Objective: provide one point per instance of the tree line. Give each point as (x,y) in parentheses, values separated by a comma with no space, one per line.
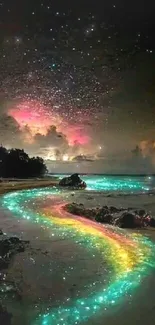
(16,163)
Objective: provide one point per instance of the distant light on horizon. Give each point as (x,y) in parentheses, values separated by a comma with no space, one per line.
(65,158)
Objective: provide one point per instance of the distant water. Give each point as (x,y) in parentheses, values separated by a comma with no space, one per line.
(129,184)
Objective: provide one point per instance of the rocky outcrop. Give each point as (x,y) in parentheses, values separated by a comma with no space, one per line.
(9,247)
(73,181)
(124,218)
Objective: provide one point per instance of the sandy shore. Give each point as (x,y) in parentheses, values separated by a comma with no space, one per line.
(15,185)
(137,201)
(41,274)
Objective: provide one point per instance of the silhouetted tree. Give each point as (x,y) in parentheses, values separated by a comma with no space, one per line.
(3,155)
(37,166)
(17,163)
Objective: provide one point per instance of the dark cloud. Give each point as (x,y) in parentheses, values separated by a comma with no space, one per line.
(10,133)
(51,139)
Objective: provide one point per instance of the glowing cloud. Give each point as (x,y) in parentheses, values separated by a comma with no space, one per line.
(39,118)
(35,115)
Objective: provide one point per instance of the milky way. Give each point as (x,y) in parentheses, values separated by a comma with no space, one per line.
(83,70)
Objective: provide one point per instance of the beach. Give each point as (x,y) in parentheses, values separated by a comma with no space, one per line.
(53,268)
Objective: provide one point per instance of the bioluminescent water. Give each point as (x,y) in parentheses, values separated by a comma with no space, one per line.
(130,184)
(126,258)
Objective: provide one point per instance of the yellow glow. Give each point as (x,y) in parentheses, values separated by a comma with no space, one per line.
(65,158)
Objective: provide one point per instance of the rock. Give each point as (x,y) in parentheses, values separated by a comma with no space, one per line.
(127,220)
(14,240)
(107,218)
(114,210)
(141,213)
(75,209)
(118,216)
(8,247)
(73,181)
(152,222)
(1,232)
(105,207)
(103,211)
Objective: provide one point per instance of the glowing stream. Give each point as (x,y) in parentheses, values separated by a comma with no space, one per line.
(130,257)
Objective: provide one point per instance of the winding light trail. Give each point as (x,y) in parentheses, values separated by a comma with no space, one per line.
(129,257)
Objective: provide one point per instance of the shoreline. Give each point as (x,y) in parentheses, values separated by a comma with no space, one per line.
(19,185)
(90,198)
(41,268)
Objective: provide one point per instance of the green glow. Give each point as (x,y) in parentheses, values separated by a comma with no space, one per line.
(117,183)
(129,258)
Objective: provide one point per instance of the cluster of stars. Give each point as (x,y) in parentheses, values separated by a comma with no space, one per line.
(74,59)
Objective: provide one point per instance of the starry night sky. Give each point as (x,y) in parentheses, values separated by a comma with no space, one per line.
(85,67)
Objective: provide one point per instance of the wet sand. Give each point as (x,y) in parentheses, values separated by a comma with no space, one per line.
(42,274)
(11,185)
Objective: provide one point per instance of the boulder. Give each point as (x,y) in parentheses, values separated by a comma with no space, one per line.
(126,220)
(73,181)
(117,216)
(141,213)
(9,247)
(152,222)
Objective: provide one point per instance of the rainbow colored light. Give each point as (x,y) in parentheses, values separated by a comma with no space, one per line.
(129,257)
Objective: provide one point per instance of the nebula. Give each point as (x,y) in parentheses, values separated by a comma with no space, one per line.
(39,118)
(35,115)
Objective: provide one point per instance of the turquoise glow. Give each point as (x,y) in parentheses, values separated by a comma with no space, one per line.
(129,257)
(118,183)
